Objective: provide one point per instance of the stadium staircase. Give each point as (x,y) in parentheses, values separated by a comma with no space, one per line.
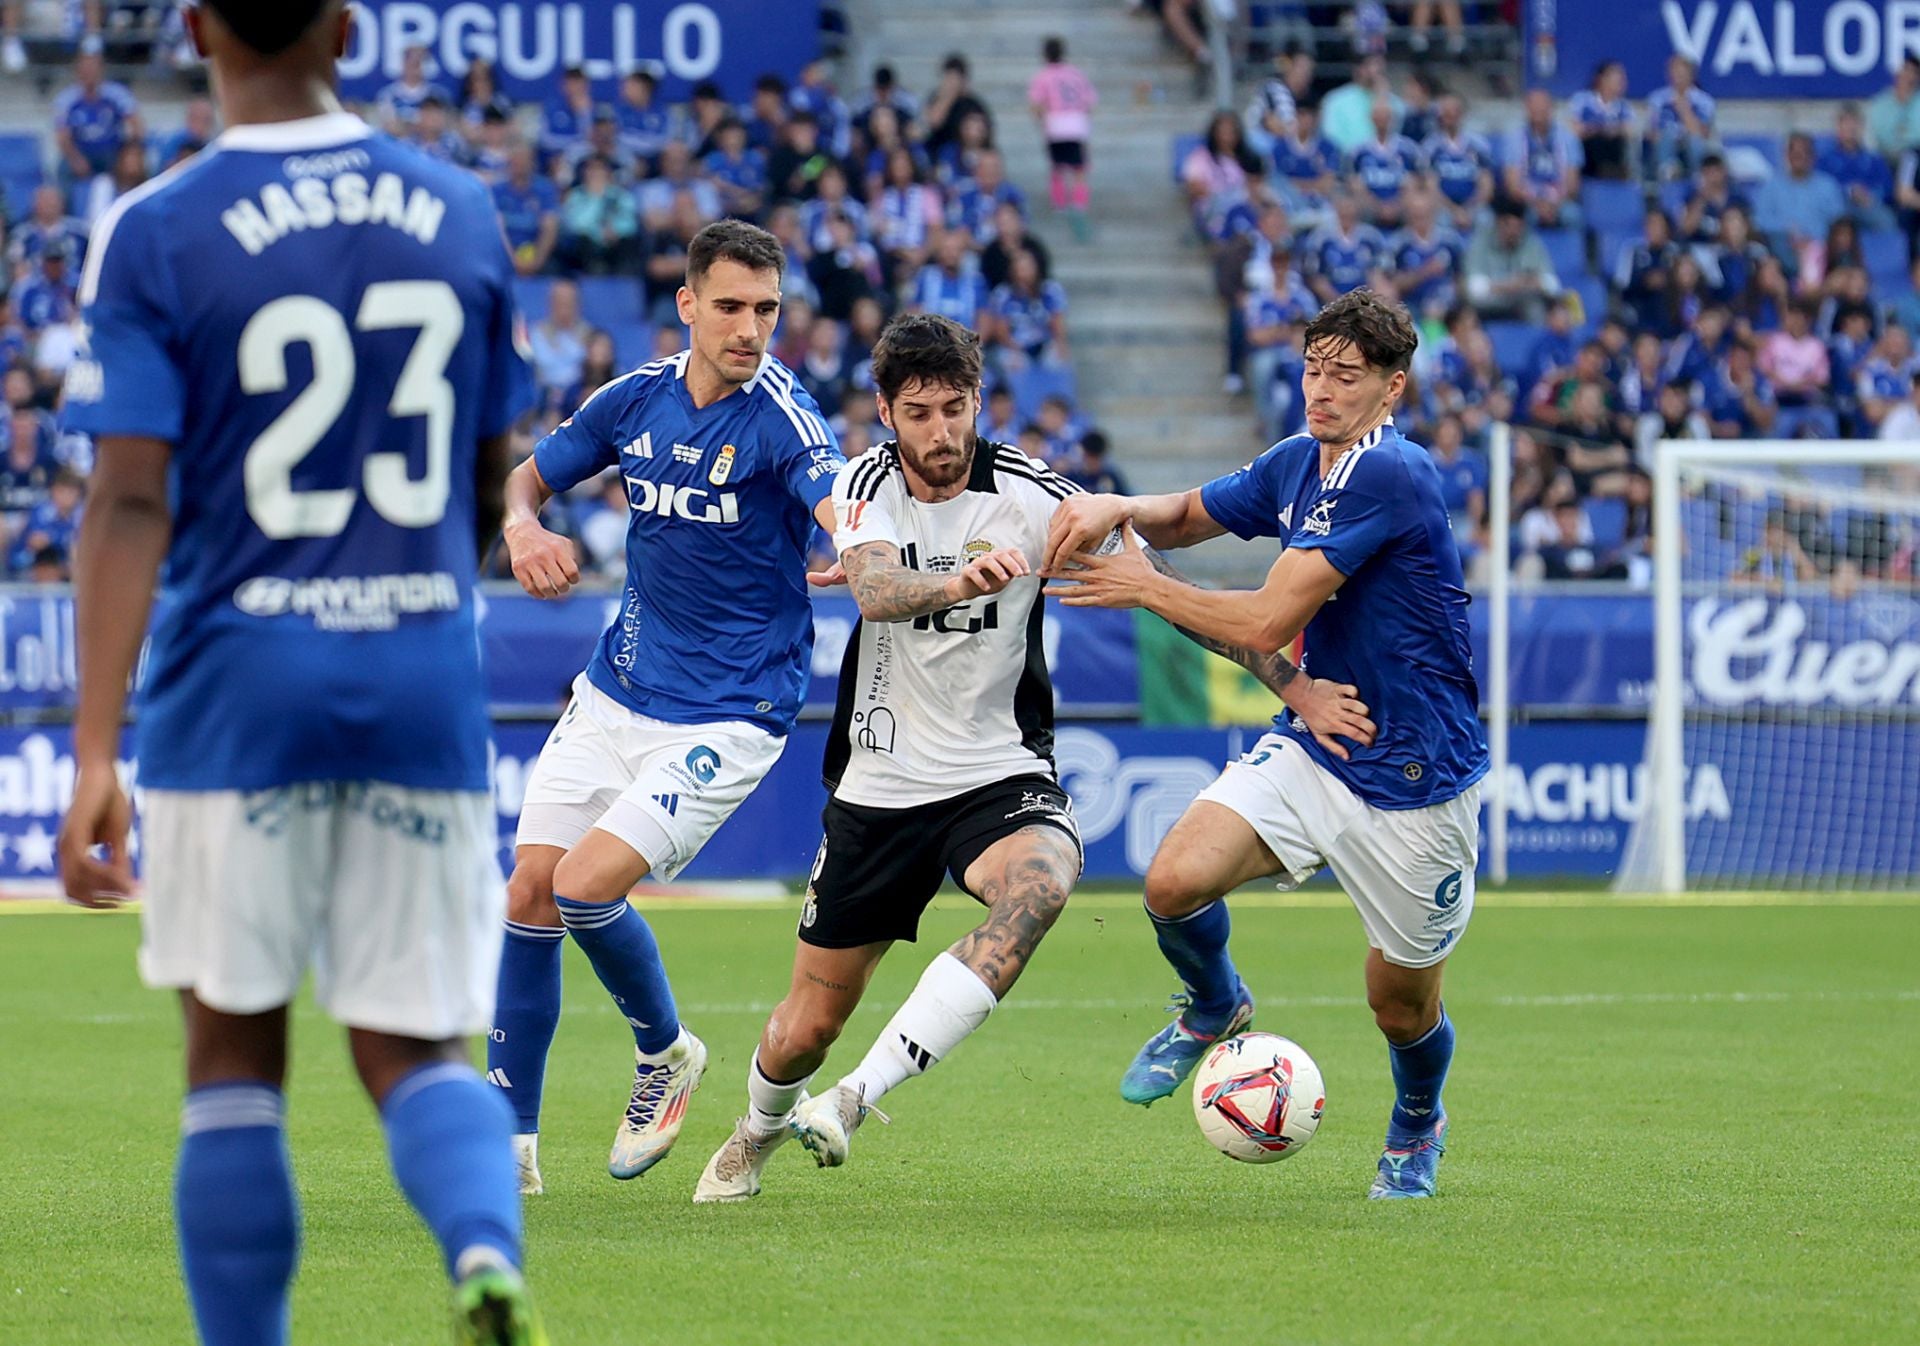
(1145,326)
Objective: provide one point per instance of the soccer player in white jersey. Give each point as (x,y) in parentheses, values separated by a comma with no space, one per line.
(1371,574)
(301,372)
(686,703)
(941,756)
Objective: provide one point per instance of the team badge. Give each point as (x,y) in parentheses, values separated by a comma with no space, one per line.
(977,548)
(722,466)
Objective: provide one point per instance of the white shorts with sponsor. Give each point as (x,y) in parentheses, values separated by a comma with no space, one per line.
(1410,872)
(392,896)
(662,788)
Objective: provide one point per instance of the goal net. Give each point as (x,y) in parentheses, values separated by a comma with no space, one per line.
(1784,734)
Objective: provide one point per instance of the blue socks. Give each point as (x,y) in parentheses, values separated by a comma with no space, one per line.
(1196,945)
(620,945)
(527,1011)
(1419,1069)
(239,1219)
(449,1139)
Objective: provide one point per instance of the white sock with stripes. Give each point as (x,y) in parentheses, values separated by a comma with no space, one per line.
(949,1003)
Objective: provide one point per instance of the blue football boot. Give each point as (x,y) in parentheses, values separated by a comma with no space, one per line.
(1410,1164)
(1171,1054)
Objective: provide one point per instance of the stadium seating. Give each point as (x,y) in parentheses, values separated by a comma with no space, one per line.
(22,170)
(1513,344)
(1608,514)
(1886,256)
(1614,207)
(1567,248)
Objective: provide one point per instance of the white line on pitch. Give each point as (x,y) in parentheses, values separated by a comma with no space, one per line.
(1574,1000)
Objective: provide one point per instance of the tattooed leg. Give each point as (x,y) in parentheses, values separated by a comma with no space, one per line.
(827,985)
(1024,879)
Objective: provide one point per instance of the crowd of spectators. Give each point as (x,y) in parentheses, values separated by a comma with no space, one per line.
(885,202)
(1596,276)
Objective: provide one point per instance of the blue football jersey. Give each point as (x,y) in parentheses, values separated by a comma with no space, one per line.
(715,623)
(320,321)
(1397,628)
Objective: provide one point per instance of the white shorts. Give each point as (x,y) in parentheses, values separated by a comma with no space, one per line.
(1408,871)
(662,788)
(393,896)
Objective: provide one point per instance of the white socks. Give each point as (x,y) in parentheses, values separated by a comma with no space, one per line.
(769,1102)
(949,1003)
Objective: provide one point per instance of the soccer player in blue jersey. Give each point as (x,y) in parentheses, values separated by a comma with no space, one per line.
(301,372)
(686,703)
(1371,574)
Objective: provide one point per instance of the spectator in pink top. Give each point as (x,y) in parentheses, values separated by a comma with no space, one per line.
(1796,361)
(1063,98)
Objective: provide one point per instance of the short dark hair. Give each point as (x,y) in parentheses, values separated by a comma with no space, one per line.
(1379,329)
(269,29)
(734,241)
(927,347)
(1054,50)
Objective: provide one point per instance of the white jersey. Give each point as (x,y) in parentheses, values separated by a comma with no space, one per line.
(937,705)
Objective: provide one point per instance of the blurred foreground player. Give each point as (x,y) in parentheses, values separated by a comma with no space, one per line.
(1371,574)
(301,374)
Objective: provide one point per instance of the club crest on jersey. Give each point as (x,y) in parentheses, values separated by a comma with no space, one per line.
(977,548)
(722,466)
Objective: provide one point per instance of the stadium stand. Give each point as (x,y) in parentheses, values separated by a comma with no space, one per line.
(885,201)
(1751,285)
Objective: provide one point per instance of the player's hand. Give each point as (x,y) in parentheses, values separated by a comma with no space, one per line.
(1080,524)
(99,816)
(833,576)
(989,574)
(1120,580)
(542,559)
(1332,711)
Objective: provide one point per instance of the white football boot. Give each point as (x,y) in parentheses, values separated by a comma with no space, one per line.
(733,1174)
(661,1087)
(825,1125)
(526,1162)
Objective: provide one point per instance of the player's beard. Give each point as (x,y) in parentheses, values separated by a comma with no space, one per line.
(945,466)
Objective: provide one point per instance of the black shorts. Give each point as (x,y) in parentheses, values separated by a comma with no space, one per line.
(879,868)
(1067,153)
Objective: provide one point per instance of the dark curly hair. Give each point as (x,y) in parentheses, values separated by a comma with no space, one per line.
(1379,329)
(928,347)
(270,29)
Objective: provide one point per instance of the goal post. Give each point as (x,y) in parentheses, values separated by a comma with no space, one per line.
(1784,728)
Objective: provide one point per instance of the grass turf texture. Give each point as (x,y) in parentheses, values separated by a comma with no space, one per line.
(1671,1124)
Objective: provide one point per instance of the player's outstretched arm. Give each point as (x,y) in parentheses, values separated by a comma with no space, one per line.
(1331,710)
(1083,522)
(1265,620)
(888,590)
(543,561)
(123,539)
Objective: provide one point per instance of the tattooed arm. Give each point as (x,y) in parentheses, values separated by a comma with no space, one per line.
(889,591)
(1275,670)
(1328,708)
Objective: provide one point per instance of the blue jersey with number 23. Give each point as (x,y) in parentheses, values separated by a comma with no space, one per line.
(319,321)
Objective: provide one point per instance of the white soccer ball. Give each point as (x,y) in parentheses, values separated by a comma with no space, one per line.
(1258,1097)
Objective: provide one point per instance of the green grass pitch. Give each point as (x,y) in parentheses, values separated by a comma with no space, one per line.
(1671,1124)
